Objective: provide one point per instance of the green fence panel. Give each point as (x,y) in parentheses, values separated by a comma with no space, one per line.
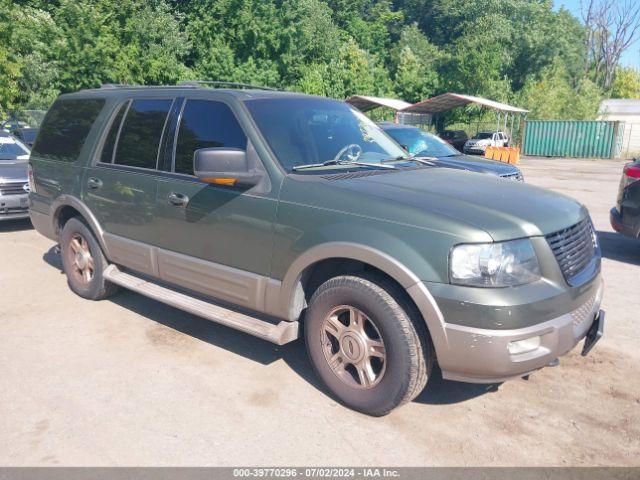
(569,138)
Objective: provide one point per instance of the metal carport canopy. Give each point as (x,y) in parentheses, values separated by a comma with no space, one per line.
(448,101)
(364,103)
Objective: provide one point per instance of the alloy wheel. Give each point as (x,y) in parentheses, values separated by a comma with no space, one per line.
(353,347)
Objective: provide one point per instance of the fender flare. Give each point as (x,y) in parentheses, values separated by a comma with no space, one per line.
(71,201)
(289,288)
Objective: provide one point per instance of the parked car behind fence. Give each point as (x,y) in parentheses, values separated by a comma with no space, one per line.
(456,138)
(481,140)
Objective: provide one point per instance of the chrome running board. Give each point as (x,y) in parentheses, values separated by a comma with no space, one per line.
(280,333)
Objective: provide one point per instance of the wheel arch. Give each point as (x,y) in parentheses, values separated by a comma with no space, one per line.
(319,262)
(67,206)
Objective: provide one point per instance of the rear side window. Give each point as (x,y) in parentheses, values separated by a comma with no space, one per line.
(206,124)
(65,129)
(110,142)
(141,133)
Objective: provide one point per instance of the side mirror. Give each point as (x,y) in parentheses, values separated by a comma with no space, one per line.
(224,166)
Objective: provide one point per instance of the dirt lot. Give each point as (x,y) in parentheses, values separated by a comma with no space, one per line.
(129,381)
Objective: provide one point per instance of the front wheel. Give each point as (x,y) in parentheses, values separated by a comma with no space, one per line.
(365,343)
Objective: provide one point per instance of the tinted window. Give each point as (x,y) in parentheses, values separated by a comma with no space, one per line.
(206,124)
(141,132)
(65,129)
(110,142)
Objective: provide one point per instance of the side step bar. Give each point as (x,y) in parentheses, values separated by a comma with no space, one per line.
(281,333)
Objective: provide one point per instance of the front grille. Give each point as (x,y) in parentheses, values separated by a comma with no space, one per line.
(12,210)
(574,248)
(584,312)
(13,188)
(517,176)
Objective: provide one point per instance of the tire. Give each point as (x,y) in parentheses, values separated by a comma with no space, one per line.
(376,385)
(79,248)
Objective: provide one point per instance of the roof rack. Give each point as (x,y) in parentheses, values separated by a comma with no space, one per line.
(107,86)
(198,83)
(189,84)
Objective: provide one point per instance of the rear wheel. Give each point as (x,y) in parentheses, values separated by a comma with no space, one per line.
(366,344)
(83,261)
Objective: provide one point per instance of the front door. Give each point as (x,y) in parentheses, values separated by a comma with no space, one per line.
(215,239)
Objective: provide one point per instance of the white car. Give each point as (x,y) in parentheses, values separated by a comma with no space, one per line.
(479,143)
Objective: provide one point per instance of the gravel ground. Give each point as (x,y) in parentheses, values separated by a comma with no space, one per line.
(129,381)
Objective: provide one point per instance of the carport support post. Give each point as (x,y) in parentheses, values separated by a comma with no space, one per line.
(513,116)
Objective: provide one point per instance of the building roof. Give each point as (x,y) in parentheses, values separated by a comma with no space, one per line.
(620,106)
(449,101)
(364,103)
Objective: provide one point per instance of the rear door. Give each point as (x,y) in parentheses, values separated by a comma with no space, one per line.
(120,186)
(215,239)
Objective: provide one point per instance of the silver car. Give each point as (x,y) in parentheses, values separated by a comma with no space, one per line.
(14,182)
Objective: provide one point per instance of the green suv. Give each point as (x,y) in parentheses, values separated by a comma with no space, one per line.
(279,213)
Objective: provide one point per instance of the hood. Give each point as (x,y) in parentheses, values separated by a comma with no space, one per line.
(13,171)
(504,210)
(477,164)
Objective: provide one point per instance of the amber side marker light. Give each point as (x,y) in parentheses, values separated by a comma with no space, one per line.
(221,181)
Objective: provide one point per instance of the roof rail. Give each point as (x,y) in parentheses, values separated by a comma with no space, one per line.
(106,86)
(198,83)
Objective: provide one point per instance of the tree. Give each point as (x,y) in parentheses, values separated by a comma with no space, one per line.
(414,65)
(626,84)
(551,95)
(611,28)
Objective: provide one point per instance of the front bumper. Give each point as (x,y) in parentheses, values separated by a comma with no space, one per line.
(13,207)
(619,225)
(475,150)
(480,355)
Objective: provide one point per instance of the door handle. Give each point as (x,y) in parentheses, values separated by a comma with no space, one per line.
(94,183)
(178,199)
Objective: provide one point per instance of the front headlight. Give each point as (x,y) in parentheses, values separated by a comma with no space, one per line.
(501,264)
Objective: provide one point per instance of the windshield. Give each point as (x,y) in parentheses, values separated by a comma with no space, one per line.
(304,131)
(11,148)
(483,135)
(421,143)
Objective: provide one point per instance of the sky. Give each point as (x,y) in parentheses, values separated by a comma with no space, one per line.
(630,58)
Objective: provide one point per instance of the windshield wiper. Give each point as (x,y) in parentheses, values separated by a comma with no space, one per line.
(339,162)
(424,160)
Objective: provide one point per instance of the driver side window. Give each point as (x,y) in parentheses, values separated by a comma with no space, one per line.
(204,124)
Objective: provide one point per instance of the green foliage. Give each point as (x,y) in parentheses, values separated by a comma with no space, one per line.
(552,96)
(520,51)
(626,83)
(415,64)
